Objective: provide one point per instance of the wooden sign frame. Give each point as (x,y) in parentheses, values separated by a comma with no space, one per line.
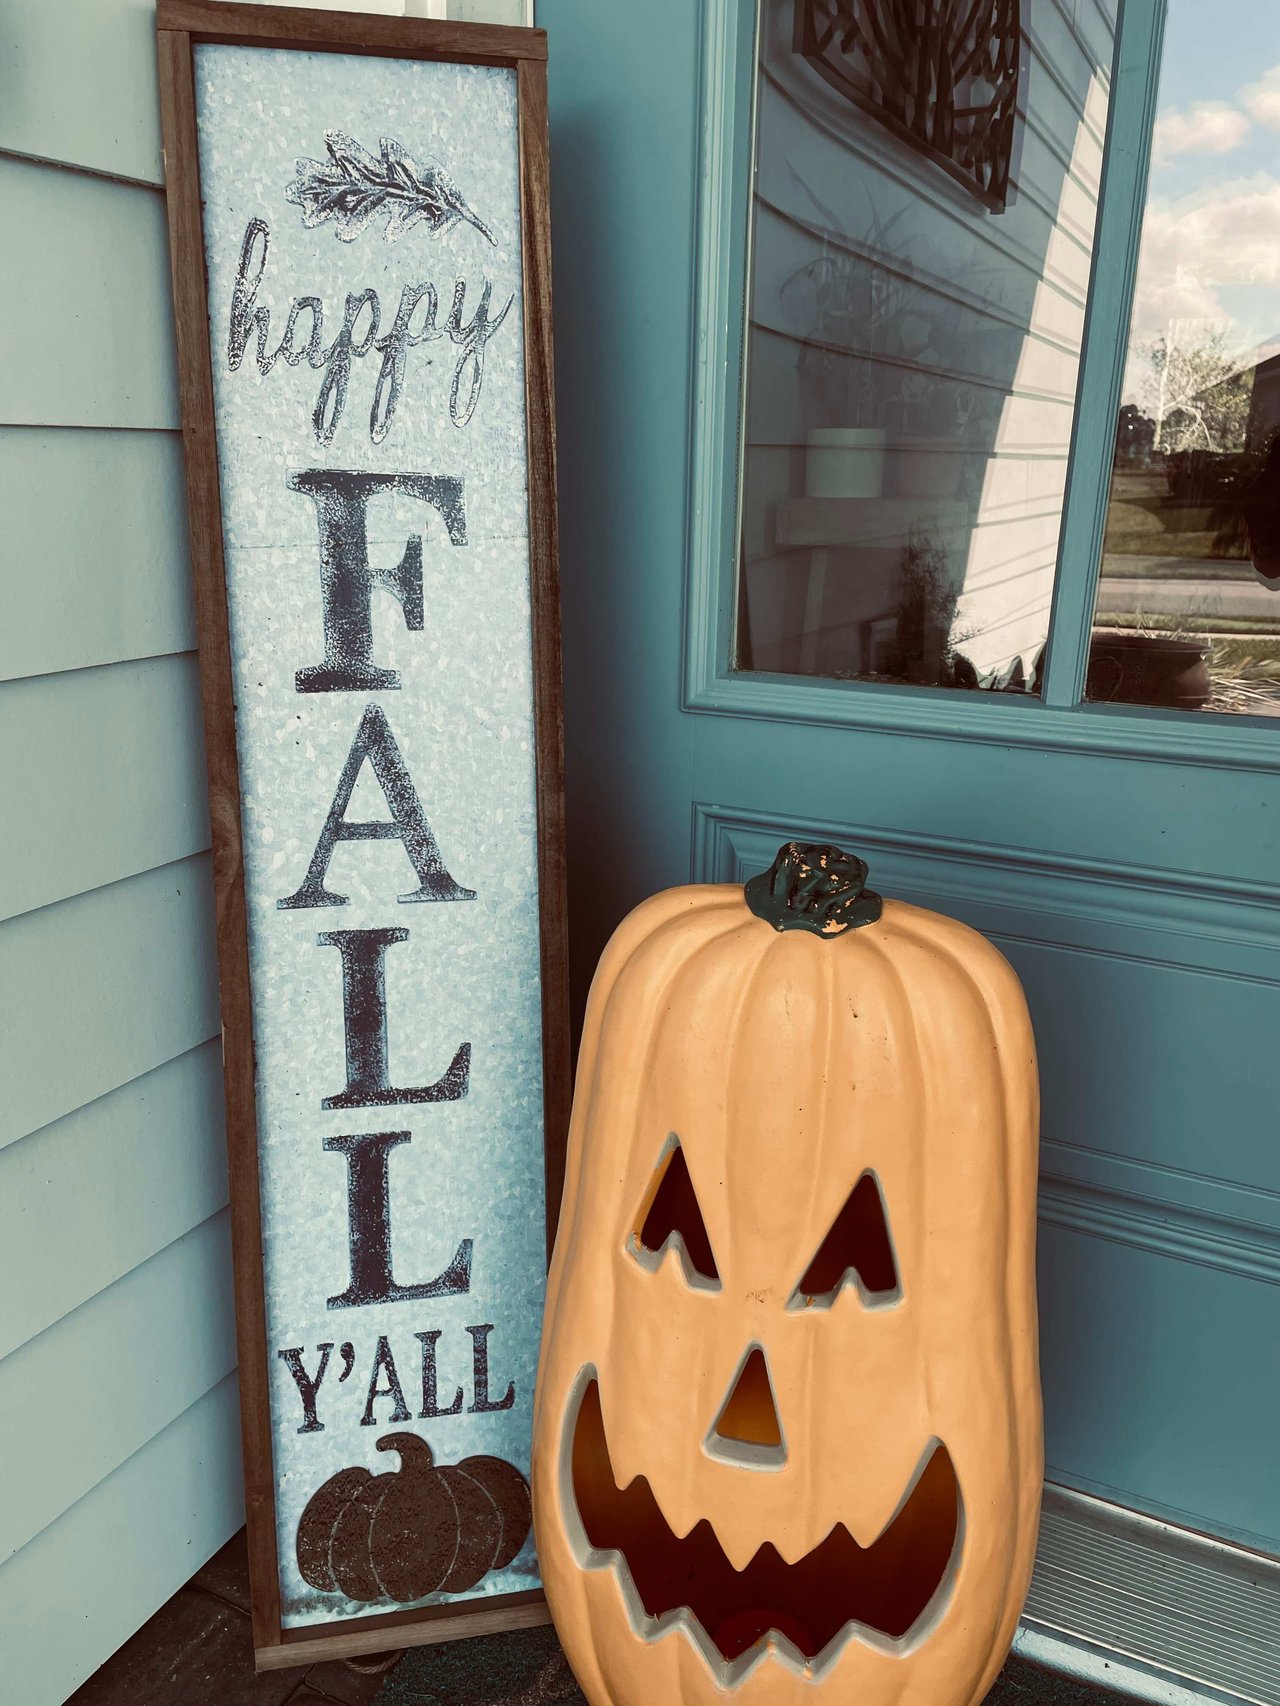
(182,25)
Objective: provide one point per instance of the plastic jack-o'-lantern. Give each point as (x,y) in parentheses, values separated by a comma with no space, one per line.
(787,1443)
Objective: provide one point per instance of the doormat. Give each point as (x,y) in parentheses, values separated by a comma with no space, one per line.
(528,1668)
(525,1668)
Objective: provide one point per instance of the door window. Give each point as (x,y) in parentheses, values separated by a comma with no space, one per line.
(1188,602)
(922,232)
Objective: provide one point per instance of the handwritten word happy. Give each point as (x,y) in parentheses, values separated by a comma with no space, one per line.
(357,336)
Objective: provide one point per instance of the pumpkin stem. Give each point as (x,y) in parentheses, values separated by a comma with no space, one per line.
(814,887)
(414,1451)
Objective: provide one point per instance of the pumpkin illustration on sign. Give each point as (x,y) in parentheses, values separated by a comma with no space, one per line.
(423,1529)
(787,1433)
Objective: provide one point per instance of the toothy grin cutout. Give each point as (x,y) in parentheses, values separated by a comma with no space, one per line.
(887,1593)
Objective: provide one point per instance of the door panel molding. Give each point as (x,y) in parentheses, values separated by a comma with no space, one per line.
(1229,925)
(1245,1248)
(1179,923)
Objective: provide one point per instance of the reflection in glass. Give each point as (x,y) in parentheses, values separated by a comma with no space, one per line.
(1188,606)
(914,335)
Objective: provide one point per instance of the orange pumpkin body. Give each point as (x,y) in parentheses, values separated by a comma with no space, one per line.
(758,1474)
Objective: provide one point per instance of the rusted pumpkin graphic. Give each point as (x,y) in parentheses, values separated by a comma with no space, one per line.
(787,1440)
(423,1529)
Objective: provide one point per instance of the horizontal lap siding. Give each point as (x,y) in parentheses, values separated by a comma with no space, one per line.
(96,344)
(85,1583)
(117,1305)
(82,85)
(102,771)
(147,1346)
(99,1167)
(103,987)
(96,525)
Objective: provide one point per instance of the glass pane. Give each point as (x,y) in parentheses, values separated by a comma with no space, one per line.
(922,233)
(1188,609)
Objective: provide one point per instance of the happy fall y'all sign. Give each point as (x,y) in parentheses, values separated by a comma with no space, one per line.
(366,320)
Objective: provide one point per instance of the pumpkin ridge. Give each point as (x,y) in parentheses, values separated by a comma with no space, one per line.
(313,1538)
(455,1528)
(913,1075)
(358,1511)
(479,1529)
(477,1481)
(706,897)
(770,947)
(1014,1560)
(925,936)
(600,997)
(373,1517)
(678,924)
(765,947)
(510,1491)
(684,966)
(828,974)
(416,1464)
(580,1155)
(752,950)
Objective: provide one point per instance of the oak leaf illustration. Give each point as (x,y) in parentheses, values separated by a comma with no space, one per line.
(354,187)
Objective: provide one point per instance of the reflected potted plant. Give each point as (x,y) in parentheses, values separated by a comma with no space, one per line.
(932,426)
(925,653)
(856,300)
(1148,666)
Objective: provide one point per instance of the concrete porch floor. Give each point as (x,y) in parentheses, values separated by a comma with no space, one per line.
(196,1651)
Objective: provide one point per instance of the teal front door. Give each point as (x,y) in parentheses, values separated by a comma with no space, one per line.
(896,514)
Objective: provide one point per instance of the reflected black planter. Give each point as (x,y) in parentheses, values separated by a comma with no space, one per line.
(1150,669)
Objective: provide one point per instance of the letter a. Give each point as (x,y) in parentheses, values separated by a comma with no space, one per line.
(375,742)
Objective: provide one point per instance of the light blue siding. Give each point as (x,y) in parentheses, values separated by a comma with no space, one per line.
(85,1583)
(116,1306)
(103,987)
(96,343)
(147,1344)
(80,85)
(96,535)
(139,1167)
(103,773)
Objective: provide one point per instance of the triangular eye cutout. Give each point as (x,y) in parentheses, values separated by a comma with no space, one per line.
(748,1430)
(858,1248)
(671,1216)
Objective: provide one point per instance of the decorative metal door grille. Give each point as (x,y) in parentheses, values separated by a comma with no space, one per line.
(940,74)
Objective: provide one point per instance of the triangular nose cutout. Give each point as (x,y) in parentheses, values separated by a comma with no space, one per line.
(748,1430)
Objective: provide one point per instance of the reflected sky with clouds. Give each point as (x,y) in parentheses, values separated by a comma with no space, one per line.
(1211,237)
